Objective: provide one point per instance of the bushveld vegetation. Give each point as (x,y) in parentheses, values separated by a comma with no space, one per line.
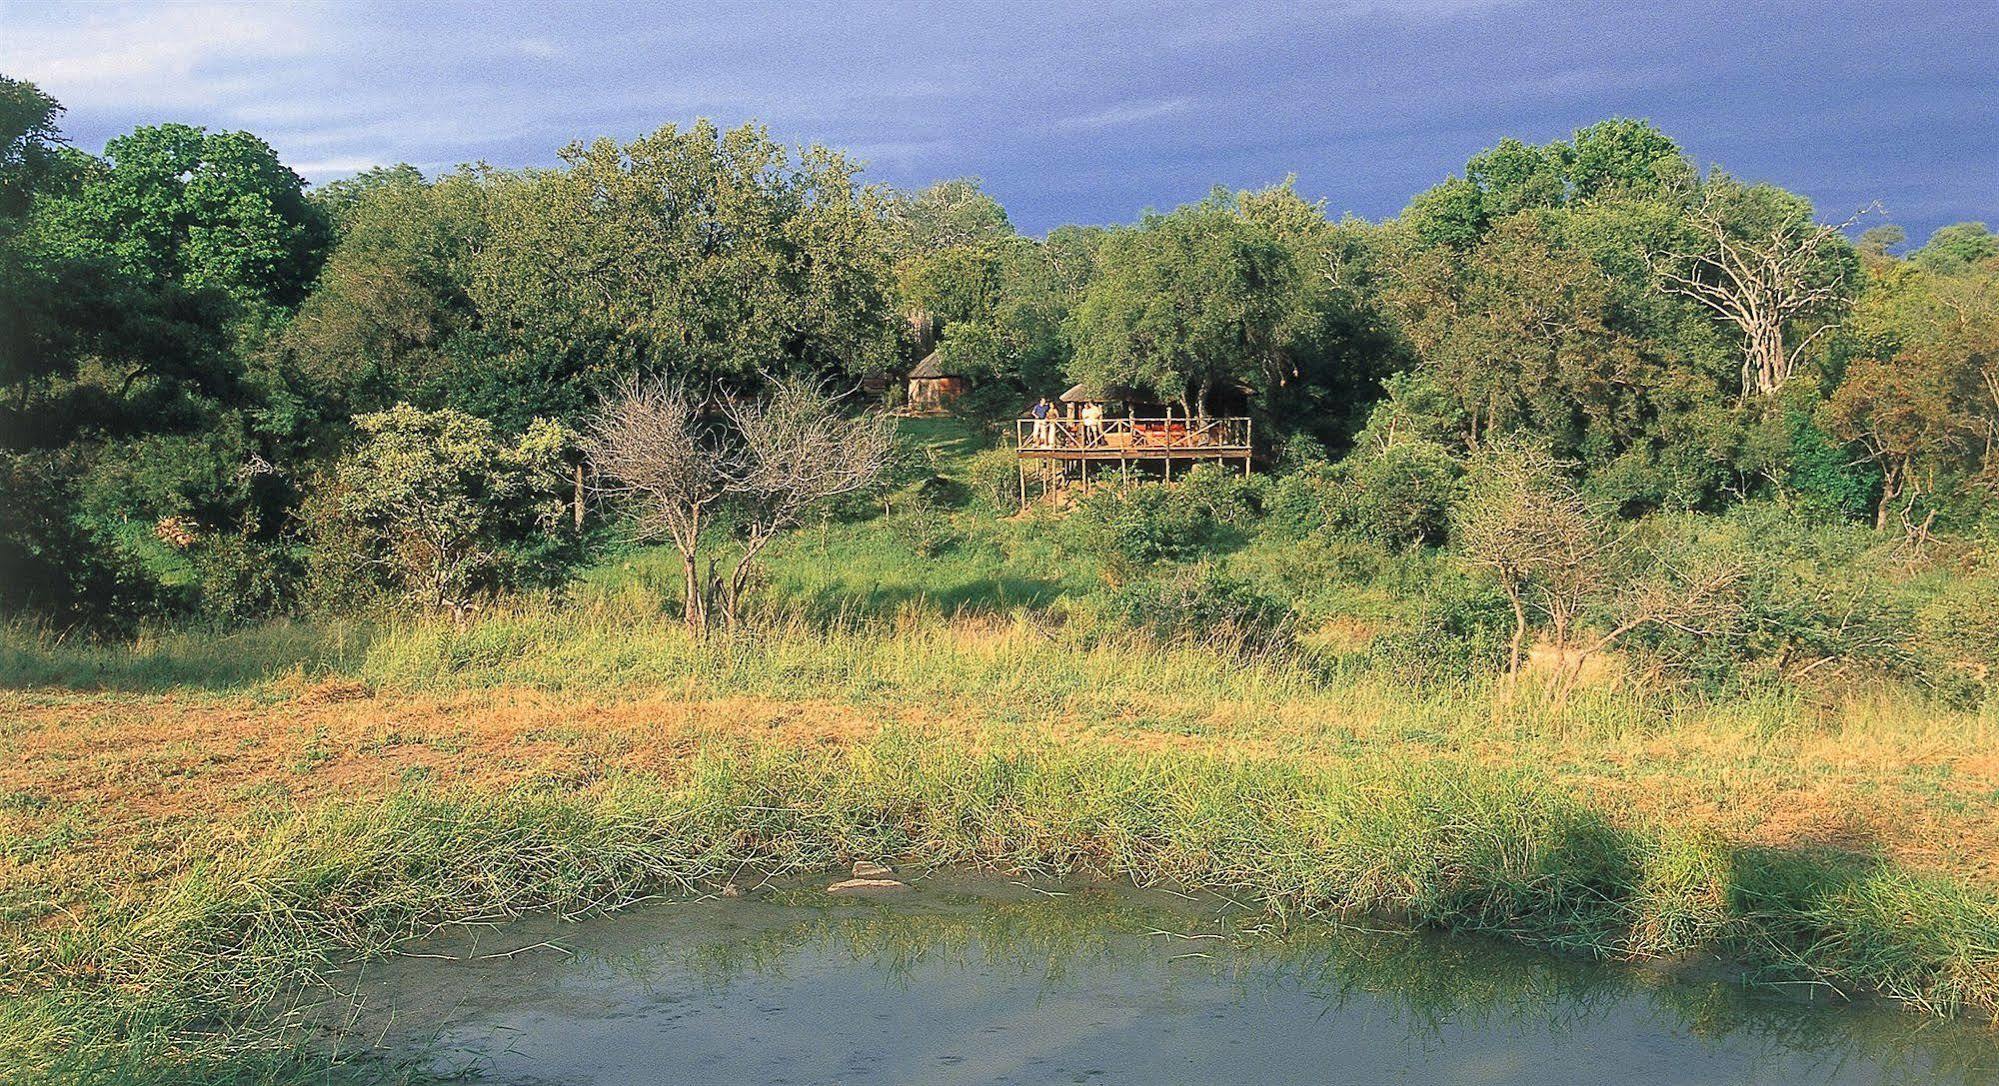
(1575,602)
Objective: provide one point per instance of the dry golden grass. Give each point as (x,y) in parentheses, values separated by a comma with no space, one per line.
(101,793)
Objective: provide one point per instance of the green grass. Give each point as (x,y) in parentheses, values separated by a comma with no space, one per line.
(172,985)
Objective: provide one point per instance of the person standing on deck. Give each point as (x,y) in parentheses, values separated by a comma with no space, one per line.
(1040,412)
(1093,424)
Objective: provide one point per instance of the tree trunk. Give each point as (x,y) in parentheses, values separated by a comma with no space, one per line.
(692,611)
(1891,489)
(1519,631)
(579,496)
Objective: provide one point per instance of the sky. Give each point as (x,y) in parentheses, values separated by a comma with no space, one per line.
(1077,112)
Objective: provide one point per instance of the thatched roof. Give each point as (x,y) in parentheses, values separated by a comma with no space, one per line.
(930,369)
(1080,393)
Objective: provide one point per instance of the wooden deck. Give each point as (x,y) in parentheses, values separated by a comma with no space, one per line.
(1066,448)
(1133,439)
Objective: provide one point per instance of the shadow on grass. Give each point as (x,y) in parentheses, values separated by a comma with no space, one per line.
(996,595)
(212,661)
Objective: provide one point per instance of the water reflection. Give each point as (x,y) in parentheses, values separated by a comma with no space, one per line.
(967,980)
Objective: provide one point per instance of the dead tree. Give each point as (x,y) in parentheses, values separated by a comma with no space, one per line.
(766,462)
(648,444)
(1762,285)
(796,450)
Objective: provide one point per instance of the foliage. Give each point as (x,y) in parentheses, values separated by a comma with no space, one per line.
(992,476)
(1186,304)
(175,204)
(1403,493)
(1957,248)
(442,497)
(1129,530)
(1523,524)
(1203,605)
(708,255)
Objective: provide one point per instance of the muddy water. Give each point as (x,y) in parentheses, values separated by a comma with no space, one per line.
(967,980)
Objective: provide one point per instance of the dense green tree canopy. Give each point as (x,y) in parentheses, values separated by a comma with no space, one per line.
(189,340)
(175,204)
(1188,303)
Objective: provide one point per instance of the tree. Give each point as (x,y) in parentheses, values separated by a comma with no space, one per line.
(949,214)
(178,205)
(1957,247)
(680,464)
(1763,266)
(1523,523)
(1924,403)
(392,317)
(1615,158)
(709,255)
(796,452)
(1186,303)
(1875,241)
(440,495)
(651,446)
(30,144)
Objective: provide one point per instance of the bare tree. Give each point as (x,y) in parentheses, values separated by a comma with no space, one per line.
(648,444)
(1696,598)
(767,461)
(1761,284)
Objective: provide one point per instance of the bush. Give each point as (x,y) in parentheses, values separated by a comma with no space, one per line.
(921,523)
(1307,500)
(1130,530)
(993,477)
(1205,606)
(1460,634)
(451,508)
(1403,494)
(1222,496)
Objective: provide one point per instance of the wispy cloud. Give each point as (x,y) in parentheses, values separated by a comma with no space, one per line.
(1128,113)
(176,55)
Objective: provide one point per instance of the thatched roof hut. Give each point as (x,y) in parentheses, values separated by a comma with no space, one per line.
(932,385)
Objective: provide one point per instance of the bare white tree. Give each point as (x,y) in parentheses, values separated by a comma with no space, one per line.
(1762,285)
(767,461)
(796,450)
(649,445)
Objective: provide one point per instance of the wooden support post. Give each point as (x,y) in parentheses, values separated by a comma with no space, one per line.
(1022,464)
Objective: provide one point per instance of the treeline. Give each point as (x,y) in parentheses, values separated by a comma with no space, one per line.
(227,395)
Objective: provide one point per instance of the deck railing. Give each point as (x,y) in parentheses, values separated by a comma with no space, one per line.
(1134,436)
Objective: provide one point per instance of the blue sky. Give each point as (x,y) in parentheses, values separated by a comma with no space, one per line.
(1071,112)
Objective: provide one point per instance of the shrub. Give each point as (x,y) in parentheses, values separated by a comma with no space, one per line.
(1130,530)
(1222,496)
(1403,494)
(1307,500)
(441,499)
(1202,605)
(1461,633)
(993,477)
(921,522)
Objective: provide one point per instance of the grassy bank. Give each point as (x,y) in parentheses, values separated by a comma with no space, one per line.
(1466,848)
